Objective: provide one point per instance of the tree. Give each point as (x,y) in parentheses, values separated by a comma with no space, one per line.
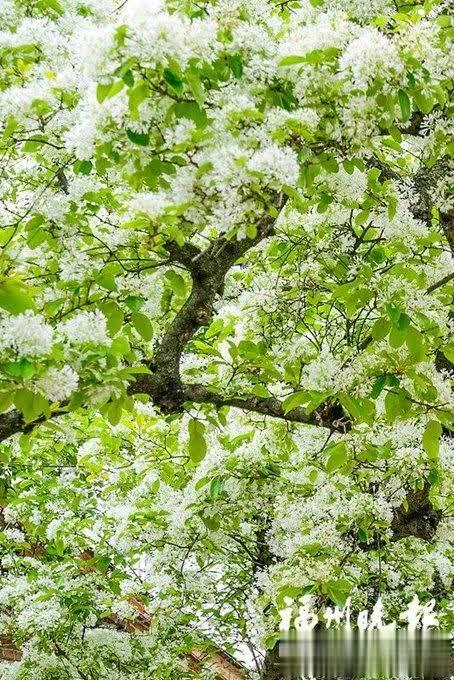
(226,344)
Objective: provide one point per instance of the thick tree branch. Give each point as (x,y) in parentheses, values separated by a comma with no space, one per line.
(13,422)
(186,255)
(438,284)
(208,270)
(419,518)
(267,407)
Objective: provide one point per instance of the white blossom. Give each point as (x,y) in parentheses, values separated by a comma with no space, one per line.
(276,163)
(86,327)
(58,384)
(27,334)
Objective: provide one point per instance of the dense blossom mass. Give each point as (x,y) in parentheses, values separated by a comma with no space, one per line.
(225,334)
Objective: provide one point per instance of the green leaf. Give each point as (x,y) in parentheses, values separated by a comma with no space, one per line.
(448,351)
(378,386)
(135,302)
(330,165)
(338,456)
(322,56)
(211,523)
(15,296)
(392,207)
(396,337)
(414,342)
(293,59)
(362,217)
(214,328)
(114,411)
(142,139)
(120,346)
(106,91)
(192,111)
(215,488)
(235,64)
(338,591)
(31,404)
(83,167)
(395,134)
(315,399)
(52,4)
(196,86)
(106,277)
(391,143)
(312,57)
(294,401)
(431,439)
(197,444)
(177,282)
(136,96)
(362,410)
(6,401)
(403,321)
(363,535)
(137,370)
(325,201)
(396,405)
(115,317)
(143,325)
(128,78)
(19,369)
(425,103)
(102,91)
(173,80)
(381,328)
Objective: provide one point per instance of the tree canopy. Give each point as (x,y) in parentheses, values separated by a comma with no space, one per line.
(226,341)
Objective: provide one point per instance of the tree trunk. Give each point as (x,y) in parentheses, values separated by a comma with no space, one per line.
(271,667)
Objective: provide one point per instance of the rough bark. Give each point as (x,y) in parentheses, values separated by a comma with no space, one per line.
(419,518)
(272,669)
(208,270)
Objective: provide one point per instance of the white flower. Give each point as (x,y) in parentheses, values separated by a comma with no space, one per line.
(14,534)
(57,384)
(329,30)
(349,188)
(40,615)
(403,226)
(53,528)
(322,373)
(9,514)
(89,448)
(81,137)
(86,327)
(369,55)
(27,334)
(75,264)
(364,10)
(276,163)
(16,98)
(152,204)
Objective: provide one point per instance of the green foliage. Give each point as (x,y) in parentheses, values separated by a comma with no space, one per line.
(225,329)
(431,439)
(15,296)
(197,447)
